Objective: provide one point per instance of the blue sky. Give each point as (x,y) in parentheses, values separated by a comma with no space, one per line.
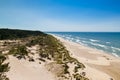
(61,15)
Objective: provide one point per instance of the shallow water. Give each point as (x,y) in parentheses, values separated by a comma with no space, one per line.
(106,41)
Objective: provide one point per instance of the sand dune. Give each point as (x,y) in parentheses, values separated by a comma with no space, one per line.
(25,70)
(99,65)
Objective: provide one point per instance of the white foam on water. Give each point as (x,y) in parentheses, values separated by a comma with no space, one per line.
(93,40)
(100,45)
(114,48)
(115,54)
(77,40)
(84,41)
(107,42)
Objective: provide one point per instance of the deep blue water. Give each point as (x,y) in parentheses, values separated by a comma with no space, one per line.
(106,41)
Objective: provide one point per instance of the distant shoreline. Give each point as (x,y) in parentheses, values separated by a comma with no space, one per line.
(96,61)
(107,42)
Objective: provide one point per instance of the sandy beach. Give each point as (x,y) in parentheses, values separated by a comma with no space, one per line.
(99,65)
(59,39)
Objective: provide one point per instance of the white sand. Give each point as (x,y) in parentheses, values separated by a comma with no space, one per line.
(25,70)
(98,64)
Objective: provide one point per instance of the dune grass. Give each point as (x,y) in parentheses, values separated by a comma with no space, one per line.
(49,49)
(4,67)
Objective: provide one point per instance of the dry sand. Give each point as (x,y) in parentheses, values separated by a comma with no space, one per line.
(25,70)
(99,65)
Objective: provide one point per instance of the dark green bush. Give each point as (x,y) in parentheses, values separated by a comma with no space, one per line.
(66,67)
(4,67)
(79,77)
(16,34)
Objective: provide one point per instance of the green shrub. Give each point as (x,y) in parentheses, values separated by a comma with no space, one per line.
(4,67)
(19,51)
(66,67)
(79,77)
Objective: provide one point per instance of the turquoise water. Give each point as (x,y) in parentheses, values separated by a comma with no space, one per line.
(106,41)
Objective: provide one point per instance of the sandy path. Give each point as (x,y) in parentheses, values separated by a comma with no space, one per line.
(25,70)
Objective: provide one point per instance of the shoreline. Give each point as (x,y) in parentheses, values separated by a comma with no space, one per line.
(96,61)
(85,45)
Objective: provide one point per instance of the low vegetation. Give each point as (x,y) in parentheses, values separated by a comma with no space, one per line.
(4,67)
(17,34)
(79,77)
(49,49)
(19,51)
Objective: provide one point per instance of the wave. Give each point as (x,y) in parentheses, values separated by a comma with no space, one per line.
(107,42)
(77,40)
(114,48)
(100,45)
(115,54)
(84,41)
(93,40)
(94,43)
